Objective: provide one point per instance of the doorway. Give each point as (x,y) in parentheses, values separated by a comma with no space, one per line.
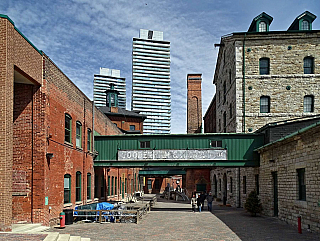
(275,194)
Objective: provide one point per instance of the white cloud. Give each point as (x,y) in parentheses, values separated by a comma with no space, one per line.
(82,35)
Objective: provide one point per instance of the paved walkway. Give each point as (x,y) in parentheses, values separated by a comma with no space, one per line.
(176,221)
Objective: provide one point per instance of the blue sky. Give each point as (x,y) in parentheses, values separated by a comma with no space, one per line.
(81,36)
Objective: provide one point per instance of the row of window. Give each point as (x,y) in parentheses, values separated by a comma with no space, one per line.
(308,104)
(68,133)
(67,187)
(308,66)
(301,184)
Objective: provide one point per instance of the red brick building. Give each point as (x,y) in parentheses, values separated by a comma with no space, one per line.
(210,118)
(47,128)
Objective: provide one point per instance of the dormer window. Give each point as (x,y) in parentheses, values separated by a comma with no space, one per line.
(260,23)
(305,25)
(262,27)
(303,22)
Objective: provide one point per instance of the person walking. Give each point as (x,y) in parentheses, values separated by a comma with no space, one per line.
(199,203)
(202,198)
(209,200)
(193,203)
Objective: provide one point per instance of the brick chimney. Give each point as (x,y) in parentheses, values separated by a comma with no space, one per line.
(194,103)
(114,109)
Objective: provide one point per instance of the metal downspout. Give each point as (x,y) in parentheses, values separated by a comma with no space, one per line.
(244,84)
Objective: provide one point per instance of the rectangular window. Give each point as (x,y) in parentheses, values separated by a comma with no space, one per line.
(256,177)
(132,127)
(149,184)
(112,183)
(89,145)
(115,186)
(89,186)
(126,185)
(308,103)
(220,185)
(230,184)
(67,127)
(301,184)
(67,188)
(78,134)
(264,66)
(78,186)
(224,122)
(264,104)
(244,184)
(216,144)
(109,186)
(120,185)
(224,92)
(308,65)
(144,144)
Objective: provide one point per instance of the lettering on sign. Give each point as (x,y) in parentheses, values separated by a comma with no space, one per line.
(201,154)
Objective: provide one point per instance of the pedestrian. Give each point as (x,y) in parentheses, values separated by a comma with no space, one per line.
(202,198)
(199,203)
(193,203)
(209,200)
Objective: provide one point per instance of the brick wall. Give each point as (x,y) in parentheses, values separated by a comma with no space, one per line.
(17,56)
(284,158)
(194,103)
(197,176)
(210,118)
(125,122)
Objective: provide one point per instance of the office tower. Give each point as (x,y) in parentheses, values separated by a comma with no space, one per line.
(102,83)
(151,81)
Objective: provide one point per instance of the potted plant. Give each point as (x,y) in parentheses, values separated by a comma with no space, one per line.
(253,204)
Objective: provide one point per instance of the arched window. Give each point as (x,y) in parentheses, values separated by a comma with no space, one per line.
(67,128)
(264,66)
(262,26)
(308,65)
(308,103)
(67,188)
(264,104)
(305,25)
(89,141)
(78,186)
(78,134)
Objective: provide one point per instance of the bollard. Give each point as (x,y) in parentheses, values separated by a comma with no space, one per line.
(62,218)
(299,224)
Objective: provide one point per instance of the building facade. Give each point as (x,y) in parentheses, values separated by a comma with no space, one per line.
(264,77)
(151,94)
(101,84)
(47,131)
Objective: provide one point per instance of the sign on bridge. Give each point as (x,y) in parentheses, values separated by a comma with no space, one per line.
(174,155)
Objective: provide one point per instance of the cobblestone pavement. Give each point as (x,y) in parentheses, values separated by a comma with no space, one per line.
(25,236)
(176,221)
(260,228)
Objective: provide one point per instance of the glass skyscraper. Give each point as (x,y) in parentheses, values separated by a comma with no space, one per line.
(102,83)
(151,94)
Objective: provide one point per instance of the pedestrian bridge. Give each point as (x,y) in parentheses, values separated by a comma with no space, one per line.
(178,151)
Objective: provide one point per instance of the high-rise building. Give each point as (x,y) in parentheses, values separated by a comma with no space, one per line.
(102,83)
(151,94)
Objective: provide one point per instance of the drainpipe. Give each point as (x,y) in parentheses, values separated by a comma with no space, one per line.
(244,84)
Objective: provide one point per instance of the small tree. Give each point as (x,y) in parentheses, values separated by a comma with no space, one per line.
(253,204)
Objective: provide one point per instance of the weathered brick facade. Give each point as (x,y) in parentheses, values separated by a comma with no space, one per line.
(194,103)
(36,96)
(209,118)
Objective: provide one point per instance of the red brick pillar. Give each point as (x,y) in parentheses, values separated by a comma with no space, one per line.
(6,122)
(194,103)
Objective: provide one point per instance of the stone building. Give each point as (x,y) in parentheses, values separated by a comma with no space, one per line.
(289,177)
(264,77)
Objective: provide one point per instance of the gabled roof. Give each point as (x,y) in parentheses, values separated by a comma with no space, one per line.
(121,112)
(262,16)
(306,15)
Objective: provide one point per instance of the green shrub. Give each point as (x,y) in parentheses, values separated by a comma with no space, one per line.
(253,204)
